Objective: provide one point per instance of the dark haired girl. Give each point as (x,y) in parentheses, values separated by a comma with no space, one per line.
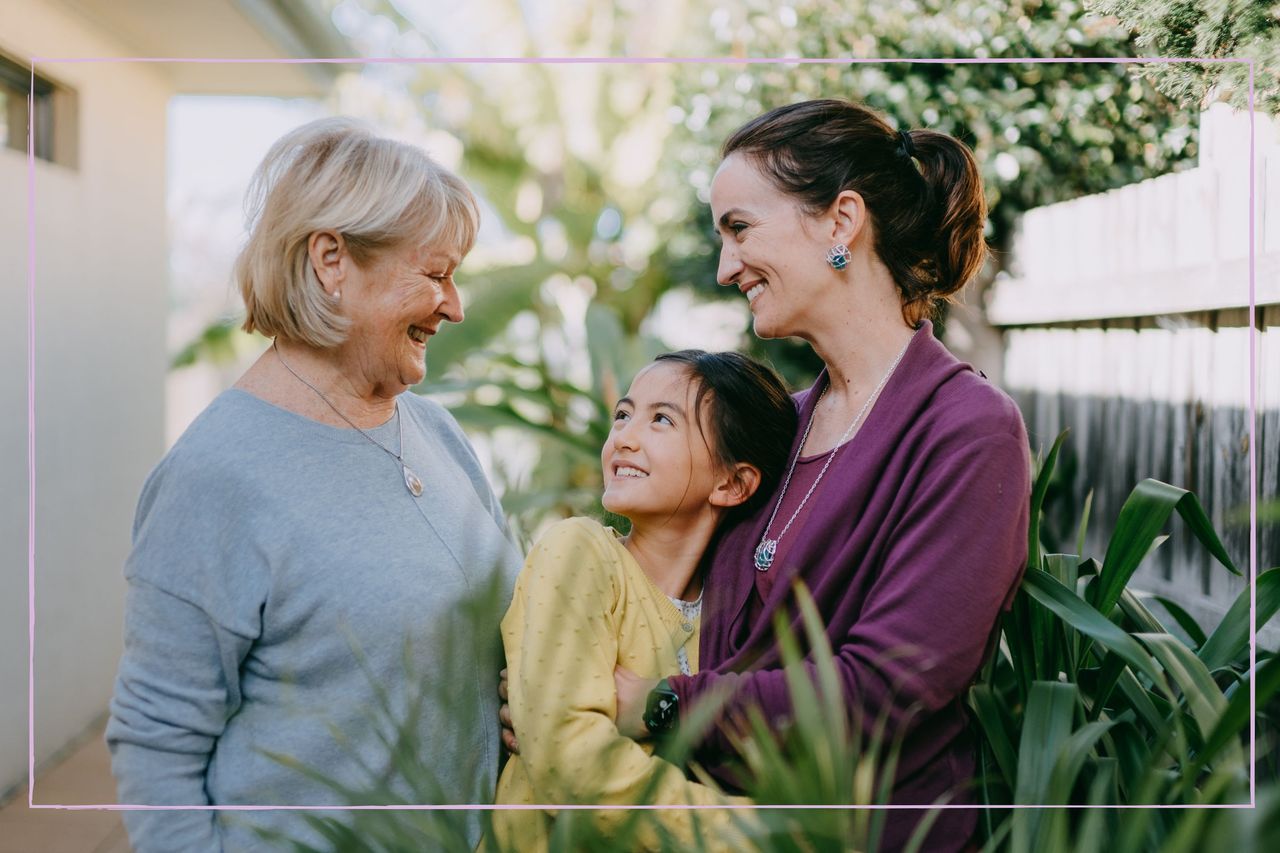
(697,436)
(905,499)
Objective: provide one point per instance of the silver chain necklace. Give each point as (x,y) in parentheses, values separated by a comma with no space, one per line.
(411,481)
(767,548)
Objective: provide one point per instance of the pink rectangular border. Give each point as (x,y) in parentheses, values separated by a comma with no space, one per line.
(31,470)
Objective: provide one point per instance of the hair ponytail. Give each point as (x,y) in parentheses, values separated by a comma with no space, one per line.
(954,185)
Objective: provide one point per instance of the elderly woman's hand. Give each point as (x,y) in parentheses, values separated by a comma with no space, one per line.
(504,717)
(633,693)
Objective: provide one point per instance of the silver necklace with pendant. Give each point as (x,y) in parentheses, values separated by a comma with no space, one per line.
(767,548)
(411,480)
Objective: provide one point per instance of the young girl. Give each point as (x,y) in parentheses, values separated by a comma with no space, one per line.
(697,441)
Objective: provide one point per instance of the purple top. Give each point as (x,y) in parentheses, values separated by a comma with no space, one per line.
(912,544)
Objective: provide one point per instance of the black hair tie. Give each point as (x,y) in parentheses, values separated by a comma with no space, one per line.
(906,148)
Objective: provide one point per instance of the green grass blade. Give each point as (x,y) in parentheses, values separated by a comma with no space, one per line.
(1108,674)
(1229,640)
(1203,698)
(1056,643)
(1185,620)
(1084,522)
(829,685)
(1076,612)
(1046,726)
(1094,833)
(1140,701)
(1234,719)
(1038,490)
(1141,519)
(1072,757)
(1137,613)
(992,716)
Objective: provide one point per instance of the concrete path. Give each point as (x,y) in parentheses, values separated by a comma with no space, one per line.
(82,777)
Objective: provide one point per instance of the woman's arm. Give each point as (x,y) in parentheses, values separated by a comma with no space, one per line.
(193,609)
(561,690)
(178,684)
(924,626)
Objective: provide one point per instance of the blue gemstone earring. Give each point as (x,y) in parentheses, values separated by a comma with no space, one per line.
(839,256)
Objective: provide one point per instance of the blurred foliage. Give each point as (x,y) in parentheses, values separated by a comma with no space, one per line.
(220,342)
(828,756)
(1207,29)
(1092,699)
(570,159)
(623,226)
(597,174)
(1089,699)
(1042,133)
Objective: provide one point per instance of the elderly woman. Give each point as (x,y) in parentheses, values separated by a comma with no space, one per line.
(904,507)
(319,543)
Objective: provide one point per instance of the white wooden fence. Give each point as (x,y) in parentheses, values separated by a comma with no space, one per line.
(1125,319)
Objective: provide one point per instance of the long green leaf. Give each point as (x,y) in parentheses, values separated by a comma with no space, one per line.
(1108,674)
(1093,834)
(1138,614)
(1084,522)
(1232,721)
(1203,699)
(1185,620)
(996,725)
(835,716)
(1038,490)
(1046,726)
(1055,642)
(1076,612)
(1141,519)
(1021,645)
(1229,640)
(1072,757)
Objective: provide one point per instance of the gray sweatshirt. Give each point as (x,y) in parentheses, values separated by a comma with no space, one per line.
(281,577)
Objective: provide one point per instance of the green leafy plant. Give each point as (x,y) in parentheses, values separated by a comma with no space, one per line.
(1092,700)
(824,759)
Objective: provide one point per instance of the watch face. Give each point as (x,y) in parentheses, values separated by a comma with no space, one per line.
(662,710)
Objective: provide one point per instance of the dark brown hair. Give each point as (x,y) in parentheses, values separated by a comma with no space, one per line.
(927,221)
(752,417)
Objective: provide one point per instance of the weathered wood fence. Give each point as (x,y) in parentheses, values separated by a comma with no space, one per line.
(1126,320)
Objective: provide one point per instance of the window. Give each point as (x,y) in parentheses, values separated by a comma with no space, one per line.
(54,114)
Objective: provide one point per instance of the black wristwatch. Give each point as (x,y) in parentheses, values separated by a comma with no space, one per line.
(662,711)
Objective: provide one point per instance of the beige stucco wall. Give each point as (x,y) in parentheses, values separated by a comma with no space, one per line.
(100,307)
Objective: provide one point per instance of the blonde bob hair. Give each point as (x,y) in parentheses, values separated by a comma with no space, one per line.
(336,175)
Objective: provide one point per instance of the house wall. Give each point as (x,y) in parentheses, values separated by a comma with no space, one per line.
(101,270)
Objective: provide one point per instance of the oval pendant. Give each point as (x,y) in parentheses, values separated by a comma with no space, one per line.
(764,554)
(412,482)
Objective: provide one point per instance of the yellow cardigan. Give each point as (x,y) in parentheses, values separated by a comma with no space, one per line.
(582,605)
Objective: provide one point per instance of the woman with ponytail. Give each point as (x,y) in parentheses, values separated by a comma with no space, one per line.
(904,504)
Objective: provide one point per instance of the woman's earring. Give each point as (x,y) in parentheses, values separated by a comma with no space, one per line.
(337,294)
(839,256)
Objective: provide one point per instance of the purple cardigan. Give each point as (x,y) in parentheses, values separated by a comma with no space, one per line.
(914,543)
